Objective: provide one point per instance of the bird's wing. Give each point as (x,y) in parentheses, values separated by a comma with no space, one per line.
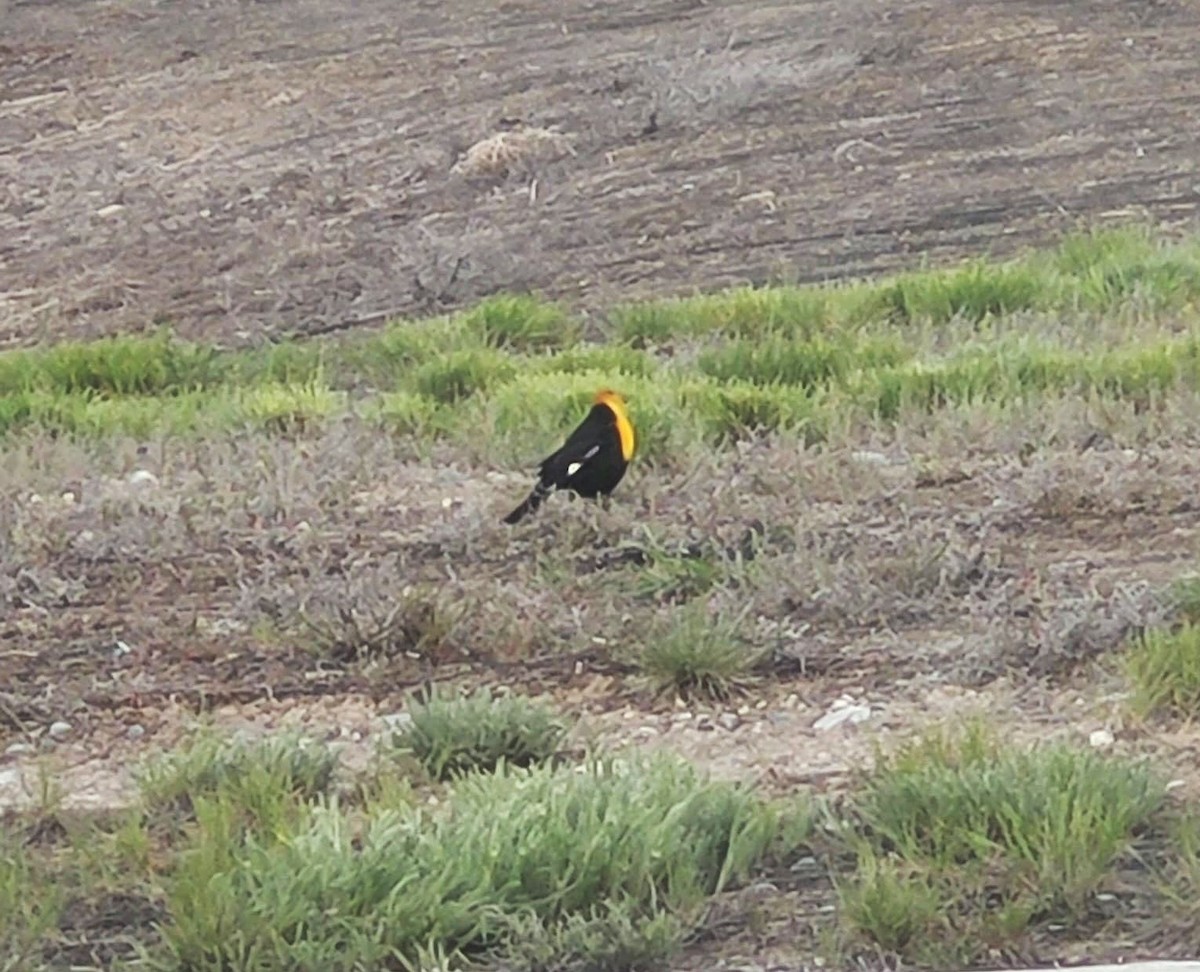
(574,465)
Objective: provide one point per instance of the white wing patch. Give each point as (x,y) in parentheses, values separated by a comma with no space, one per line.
(574,467)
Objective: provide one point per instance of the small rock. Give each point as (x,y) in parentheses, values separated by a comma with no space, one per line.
(645,732)
(843,711)
(704,723)
(143,478)
(59,729)
(681,716)
(729,720)
(1101,739)
(10,777)
(18,749)
(135,731)
(397,721)
(68,497)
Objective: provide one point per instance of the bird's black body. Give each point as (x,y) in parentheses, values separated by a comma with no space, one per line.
(590,463)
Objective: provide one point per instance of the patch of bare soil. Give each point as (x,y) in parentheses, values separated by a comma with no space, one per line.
(253,169)
(223,587)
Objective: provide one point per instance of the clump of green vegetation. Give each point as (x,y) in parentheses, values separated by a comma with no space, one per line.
(1164,669)
(972,293)
(478,732)
(258,774)
(815,363)
(114,366)
(795,312)
(408,413)
(1107,268)
(807,360)
(458,375)
(288,408)
(520,322)
(696,656)
(739,409)
(587,860)
(967,844)
(1184,596)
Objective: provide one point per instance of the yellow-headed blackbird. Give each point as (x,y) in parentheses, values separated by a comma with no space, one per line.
(592,460)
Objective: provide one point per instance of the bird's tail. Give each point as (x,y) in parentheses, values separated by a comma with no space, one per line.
(531,503)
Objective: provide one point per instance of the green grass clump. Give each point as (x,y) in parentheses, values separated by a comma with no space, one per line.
(810,364)
(1108,268)
(515,856)
(458,375)
(972,293)
(966,844)
(30,901)
(1184,596)
(476,733)
(614,360)
(407,413)
(697,657)
(520,322)
(740,409)
(795,312)
(260,775)
(1164,670)
(288,407)
(114,366)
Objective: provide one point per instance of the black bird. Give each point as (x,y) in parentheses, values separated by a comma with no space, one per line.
(592,460)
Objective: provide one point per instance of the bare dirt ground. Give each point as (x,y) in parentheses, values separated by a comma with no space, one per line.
(247,169)
(255,169)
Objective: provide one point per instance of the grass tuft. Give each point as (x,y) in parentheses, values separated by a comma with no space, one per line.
(258,775)
(973,293)
(697,658)
(1164,670)
(476,733)
(457,375)
(520,322)
(967,843)
(516,850)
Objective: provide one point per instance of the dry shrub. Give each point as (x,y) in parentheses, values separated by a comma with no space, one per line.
(499,154)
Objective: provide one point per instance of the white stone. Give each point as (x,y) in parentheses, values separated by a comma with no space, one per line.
(1101,739)
(842,711)
(143,478)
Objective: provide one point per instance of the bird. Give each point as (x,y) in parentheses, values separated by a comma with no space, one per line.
(592,461)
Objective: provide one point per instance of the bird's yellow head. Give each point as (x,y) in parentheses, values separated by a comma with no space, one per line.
(616,404)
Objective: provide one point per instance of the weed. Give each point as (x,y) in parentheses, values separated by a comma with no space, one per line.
(288,408)
(1164,669)
(812,364)
(973,292)
(411,887)
(697,657)
(406,413)
(1184,597)
(476,733)
(113,366)
(260,776)
(30,903)
(458,375)
(1003,837)
(742,311)
(355,621)
(520,322)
